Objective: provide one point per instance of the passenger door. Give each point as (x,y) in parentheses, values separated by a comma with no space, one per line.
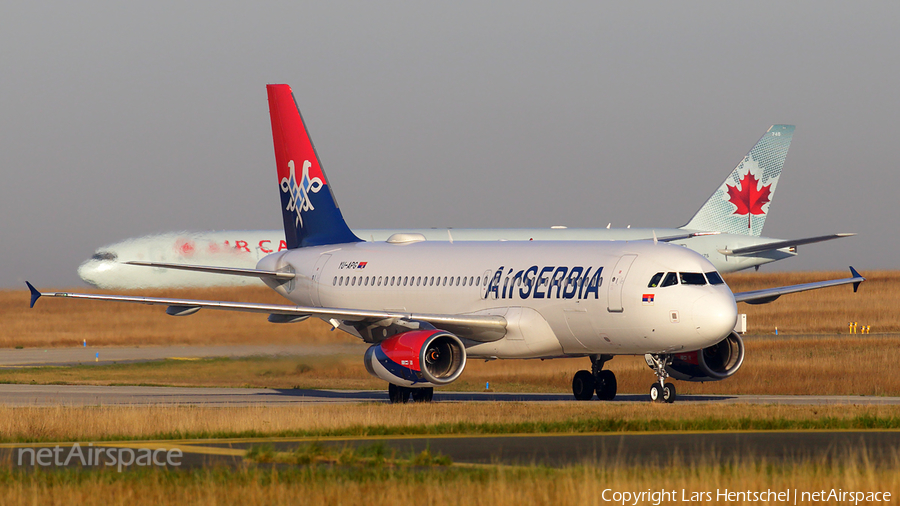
(315,279)
(617,281)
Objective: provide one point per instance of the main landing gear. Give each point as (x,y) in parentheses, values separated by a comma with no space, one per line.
(661,391)
(401,395)
(585,383)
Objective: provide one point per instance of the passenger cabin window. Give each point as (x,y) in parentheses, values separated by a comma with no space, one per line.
(714,278)
(671,279)
(654,281)
(692,278)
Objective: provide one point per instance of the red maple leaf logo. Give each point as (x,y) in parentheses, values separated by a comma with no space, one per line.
(750,198)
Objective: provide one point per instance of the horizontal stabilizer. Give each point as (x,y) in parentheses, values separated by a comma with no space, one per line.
(770,294)
(483,328)
(234,271)
(769,246)
(670,238)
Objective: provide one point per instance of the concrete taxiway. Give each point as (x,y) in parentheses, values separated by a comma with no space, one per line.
(88,395)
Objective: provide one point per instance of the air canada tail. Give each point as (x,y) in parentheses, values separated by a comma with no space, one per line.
(311,213)
(741,204)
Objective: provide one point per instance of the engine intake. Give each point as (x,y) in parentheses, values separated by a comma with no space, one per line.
(418,358)
(713,363)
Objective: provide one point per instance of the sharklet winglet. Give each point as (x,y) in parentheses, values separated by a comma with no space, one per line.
(35,294)
(855,275)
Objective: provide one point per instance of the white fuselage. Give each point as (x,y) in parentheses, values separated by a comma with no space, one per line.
(560,298)
(106,269)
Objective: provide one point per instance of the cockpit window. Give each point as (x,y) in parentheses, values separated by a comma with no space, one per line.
(671,279)
(692,278)
(654,281)
(714,278)
(104,255)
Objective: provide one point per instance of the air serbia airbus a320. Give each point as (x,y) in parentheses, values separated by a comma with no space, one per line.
(428,306)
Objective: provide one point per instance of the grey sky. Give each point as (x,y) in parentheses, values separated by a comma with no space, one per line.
(120,120)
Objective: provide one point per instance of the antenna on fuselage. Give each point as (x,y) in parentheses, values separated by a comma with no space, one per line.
(450,236)
(655,240)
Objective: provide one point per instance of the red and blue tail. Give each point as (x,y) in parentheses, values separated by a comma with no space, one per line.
(311,213)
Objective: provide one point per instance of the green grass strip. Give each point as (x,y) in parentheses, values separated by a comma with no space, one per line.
(575,426)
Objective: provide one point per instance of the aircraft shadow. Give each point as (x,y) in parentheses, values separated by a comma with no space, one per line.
(375,395)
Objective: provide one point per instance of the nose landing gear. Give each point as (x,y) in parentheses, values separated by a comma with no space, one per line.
(661,391)
(585,383)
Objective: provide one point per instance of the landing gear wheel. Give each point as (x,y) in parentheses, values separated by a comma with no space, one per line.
(398,395)
(606,385)
(669,393)
(656,393)
(422,394)
(660,391)
(583,385)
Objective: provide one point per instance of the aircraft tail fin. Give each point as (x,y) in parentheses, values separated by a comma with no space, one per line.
(741,203)
(310,211)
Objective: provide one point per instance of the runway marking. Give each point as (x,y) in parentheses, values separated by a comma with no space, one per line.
(185,448)
(150,445)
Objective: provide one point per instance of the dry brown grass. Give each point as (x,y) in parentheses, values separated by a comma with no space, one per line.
(57,322)
(60,423)
(60,322)
(499,487)
(821,311)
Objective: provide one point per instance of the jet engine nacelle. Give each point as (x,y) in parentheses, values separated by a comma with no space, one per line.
(418,358)
(713,363)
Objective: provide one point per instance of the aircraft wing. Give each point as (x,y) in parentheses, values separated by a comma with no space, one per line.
(769,294)
(769,246)
(234,271)
(482,328)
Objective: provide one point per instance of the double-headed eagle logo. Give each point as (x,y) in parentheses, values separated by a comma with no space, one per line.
(299,193)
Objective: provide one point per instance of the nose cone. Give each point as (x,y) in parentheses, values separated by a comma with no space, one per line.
(714,316)
(92,271)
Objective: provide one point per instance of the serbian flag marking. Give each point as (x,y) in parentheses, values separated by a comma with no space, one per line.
(647,300)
